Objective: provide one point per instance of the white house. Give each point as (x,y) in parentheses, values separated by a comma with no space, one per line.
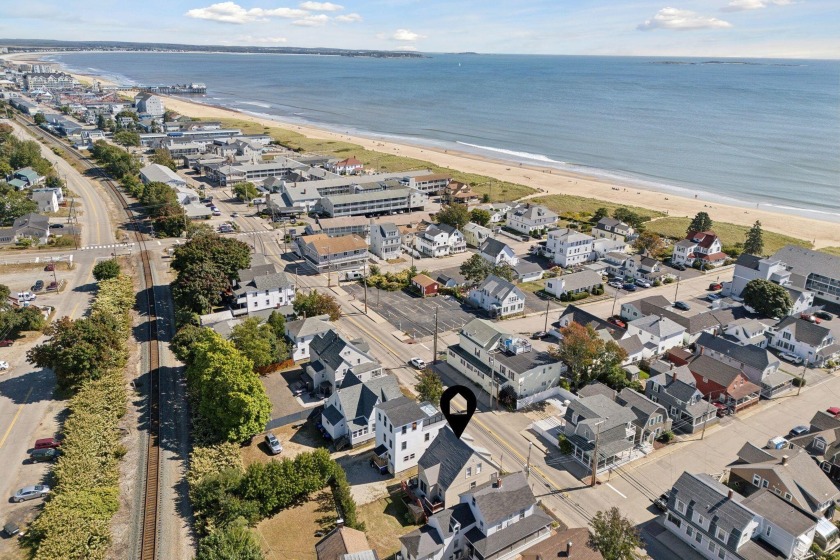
(569,247)
(528,218)
(440,240)
(332,357)
(750,267)
(632,266)
(658,334)
(149,104)
(498,297)
(475,234)
(347,166)
(610,228)
(385,241)
(815,344)
(498,211)
(156,173)
(703,246)
(404,431)
(47,201)
(59,194)
(263,287)
(583,281)
(349,411)
(301,332)
(497,253)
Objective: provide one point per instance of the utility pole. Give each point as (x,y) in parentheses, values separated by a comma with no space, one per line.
(615,300)
(329,267)
(595,454)
(491,360)
(365,278)
(547,303)
(434,344)
(677,289)
(801,381)
(706,419)
(528,464)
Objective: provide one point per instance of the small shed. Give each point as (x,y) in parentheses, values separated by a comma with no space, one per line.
(425,285)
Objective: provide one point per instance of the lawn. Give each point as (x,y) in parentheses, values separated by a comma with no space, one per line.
(500,191)
(729,234)
(290,535)
(831,250)
(532,287)
(566,204)
(385,522)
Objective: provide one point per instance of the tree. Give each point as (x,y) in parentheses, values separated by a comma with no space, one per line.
(256,341)
(229,255)
(105,270)
(600,213)
(54,182)
(164,158)
(199,287)
(39,119)
(127,138)
(101,123)
(649,243)
(316,303)
(754,244)
(245,191)
(233,541)
(429,386)
(187,339)
(630,218)
(700,222)
(767,298)
(277,322)
(614,536)
(455,215)
(475,269)
(14,204)
(504,271)
(480,216)
(586,355)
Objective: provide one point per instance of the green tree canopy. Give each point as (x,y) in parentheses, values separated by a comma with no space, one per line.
(586,355)
(649,243)
(277,322)
(614,536)
(754,244)
(600,213)
(429,387)
(229,255)
(14,204)
(164,158)
(700,222)
(245,191)
(455,215)
(127,138)
(767,298)
(480,216)
(475,269)
(630,218)
(105,270)
(39,118)
(199,287)
(315,303)
(257,342)
(232,541)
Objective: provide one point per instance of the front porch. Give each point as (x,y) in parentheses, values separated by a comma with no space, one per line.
(430,504)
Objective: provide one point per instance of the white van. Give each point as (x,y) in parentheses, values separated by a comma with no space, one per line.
(351,275)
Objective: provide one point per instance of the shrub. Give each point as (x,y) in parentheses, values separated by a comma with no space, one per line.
(565,444)
(668,280)
(666,437)
(799,381)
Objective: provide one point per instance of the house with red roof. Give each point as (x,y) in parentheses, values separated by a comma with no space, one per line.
(702,246)
(349,166)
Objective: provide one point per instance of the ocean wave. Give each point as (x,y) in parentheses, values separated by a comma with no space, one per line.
(256,103)
(524,155)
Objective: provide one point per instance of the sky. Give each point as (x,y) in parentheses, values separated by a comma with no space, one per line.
(718,28)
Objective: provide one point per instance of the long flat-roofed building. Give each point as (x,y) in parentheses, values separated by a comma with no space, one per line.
(377,200)
(324,253)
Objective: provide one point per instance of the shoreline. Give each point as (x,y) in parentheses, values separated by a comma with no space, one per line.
(546,180)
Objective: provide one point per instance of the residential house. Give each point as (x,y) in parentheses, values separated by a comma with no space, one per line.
(530,218)
(59,193)
(425,285)
(301,332)
(147,103)
(494,359)
(344,543)
(47,202)
(720,524)
(610,228)
(349,411)
(34,227)
(493,521)
(633,267)
(574,314)
(600,418)
(601,247)
(789,473)
(385,241)
(652,418)
(498,253)
(526,271)
(814,271)
(569,247)
(676,390)
(498,297)
(720,382)
(475,234)
(752,332)
(332,357)
(440,240)
(759,365)
(404,431)
(572,544)
(29,176)
(323,253)
(498,211)
(751,267)
(349,166)
(382,198)
(457,192)
(702,246)
(432,184)
(711,321)
(822,443)
(156,173)
(657,334)
(263,287)
(815,344)
(583,281)
(801,300)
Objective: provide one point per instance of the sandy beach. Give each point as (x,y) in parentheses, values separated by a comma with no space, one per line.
(545,180)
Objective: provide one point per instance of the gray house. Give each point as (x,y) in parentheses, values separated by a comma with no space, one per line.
(29,226)
(760,366)
(349,412)
(600,418)
(676,390)
(651,417)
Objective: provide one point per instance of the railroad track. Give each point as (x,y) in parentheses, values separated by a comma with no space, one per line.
(151,493)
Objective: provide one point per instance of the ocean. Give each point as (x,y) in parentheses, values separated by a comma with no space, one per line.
(745,132)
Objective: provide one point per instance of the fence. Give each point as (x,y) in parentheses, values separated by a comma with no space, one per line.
(541,396)
(303,415)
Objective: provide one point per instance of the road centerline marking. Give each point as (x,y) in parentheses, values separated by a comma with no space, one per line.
(15,419)
(614,489)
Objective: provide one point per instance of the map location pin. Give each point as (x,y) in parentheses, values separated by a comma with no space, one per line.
(457,420)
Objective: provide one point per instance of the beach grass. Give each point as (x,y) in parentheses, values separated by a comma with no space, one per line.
(831,250)
(729,234)
(568,205)
(498,191)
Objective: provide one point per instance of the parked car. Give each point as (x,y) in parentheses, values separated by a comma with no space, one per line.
(10,529)
(629,287)
(30,493)
(714,286)
(4,365)
(47,443)
(642,283)
(810,318)
(43,455)
(713,297)
(52,286)
(50,267)
(722,409)
(678,266)
(38,286)
(56,226)
(799,430)
(834,410)
(6,342)
(273,444)
(824,315)
(616,284)
(234,214)
(615,320)
(661,503)
(682,306)
(792,358)
(418,363)
(539,335)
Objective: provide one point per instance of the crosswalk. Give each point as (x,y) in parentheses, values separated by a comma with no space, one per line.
(113,246)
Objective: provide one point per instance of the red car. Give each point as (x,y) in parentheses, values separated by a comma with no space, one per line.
(617,322)
(715,286)
(811,318)
(722,409)
(6,342)
(47,443)
(50,267)
(834,410)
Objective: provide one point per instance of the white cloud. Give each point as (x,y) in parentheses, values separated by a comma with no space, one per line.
(321,6)
(410,48)
(742,5)
(674,18)
(349,18)
(406,35)
(231,12)
(312,21)
(251,40)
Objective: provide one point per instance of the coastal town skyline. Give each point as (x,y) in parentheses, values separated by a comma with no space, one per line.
(721,28)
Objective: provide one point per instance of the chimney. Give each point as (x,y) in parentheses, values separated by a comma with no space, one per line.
(568,549)
(498,482)
(729,494)
(784,459)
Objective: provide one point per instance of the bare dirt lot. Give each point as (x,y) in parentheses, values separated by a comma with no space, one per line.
(294,441)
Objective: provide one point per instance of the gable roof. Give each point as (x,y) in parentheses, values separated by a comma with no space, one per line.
(449,453)
(328,347)
(822,420)
(492,247)
(581,547)
(482,332)
(748,261)
(703,239)
(358,399)
(779,512)
(497,501)
(308,326)
(423,280)
(583,279)
(386,228)
(804,331)
(641,405)
(660,327)
(805,262)
(499,288)
(750,355)
(720,373)
(599,407)
(711,499)
(402,410)
(586,318)
(422,542)
(341,541)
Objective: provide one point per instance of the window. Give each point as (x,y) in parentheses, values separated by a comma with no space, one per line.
(698,536)
(722,553)
(469,472)
(411,456)
(405,458)
(472,485)
(680,506)
(756,480)
(768,531)
(712,546)
(478,468)
(689,530)
(788,496)
(826,466)
(413,426)
(404,429)
(701,520)
(721,535)
(426,437)
(403,446)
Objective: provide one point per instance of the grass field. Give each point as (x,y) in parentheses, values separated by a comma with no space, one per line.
(831,250)
(290,535)
(500,191)
(384,524)
(729,233)
(570,204)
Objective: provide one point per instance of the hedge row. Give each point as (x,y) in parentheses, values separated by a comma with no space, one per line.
(75,521)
